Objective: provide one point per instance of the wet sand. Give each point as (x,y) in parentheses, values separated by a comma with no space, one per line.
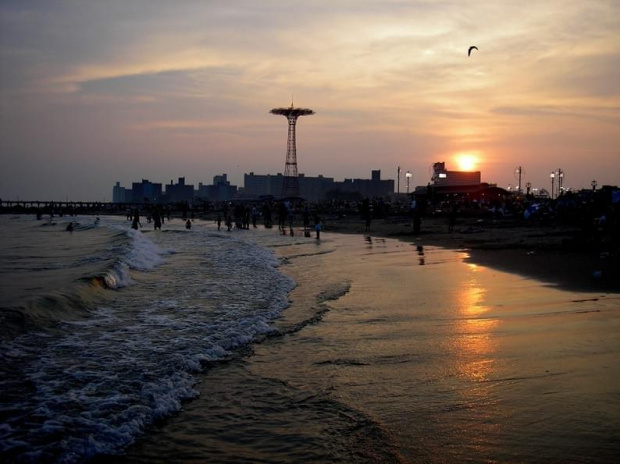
(400,352)
(555,255)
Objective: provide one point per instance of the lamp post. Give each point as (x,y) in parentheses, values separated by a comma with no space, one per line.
(560,181)
(398,181)
(408,175)
(519,172)
(528,186)
(552,175)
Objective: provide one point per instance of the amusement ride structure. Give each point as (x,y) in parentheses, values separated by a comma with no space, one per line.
(290,184)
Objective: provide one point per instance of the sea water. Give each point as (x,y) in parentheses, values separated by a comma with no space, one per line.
(105,328)
(195,346)
(398,352)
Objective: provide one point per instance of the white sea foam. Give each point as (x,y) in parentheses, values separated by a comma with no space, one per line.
(144,255)
(118,276)
(139,254)
(134,360)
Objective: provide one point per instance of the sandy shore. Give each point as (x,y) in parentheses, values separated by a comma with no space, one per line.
(556,255)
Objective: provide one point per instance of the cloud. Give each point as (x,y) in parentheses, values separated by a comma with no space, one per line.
(385,77)
(608,115)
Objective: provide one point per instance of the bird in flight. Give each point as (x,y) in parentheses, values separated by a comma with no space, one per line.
(470,49)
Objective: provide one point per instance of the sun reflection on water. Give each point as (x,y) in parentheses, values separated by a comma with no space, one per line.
(476,362)
(475,342)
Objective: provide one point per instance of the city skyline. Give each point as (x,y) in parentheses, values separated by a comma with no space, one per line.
(94,93)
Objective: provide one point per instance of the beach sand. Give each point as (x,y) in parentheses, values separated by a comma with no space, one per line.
(555,255)
(396,351)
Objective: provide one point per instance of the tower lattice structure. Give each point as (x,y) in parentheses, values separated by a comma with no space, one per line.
(290,184)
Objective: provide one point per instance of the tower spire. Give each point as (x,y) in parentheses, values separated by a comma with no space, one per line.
(290,184)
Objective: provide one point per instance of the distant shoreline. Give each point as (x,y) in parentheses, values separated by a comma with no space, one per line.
(554,255)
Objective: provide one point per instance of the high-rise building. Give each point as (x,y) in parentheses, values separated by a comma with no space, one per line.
(145,192)
(316,189)
(221,190)
(179,191)
(371,188)
(262,185)
(118,193)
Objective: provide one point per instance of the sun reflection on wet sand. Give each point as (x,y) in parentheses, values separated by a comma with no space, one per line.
(475,346)
(474,341)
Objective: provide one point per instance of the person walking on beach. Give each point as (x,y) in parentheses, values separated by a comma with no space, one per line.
(188,224)
(219,221)
(282,213)
(452,219)
(306,219)
(254,216)
(229,222)
(317,226)
(366,214)
(291,218)
(416,216)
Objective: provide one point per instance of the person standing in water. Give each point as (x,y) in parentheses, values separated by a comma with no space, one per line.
(136,220)
(156,220)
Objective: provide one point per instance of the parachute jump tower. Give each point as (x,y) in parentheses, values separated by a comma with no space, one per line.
(290,186)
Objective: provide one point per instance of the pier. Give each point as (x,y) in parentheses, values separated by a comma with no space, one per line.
(68,207)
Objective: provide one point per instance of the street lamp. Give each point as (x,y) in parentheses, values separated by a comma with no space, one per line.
(408,175)
(528,186)
(398,181)
(519,173)
(552,175)
(594,184)
(560,181)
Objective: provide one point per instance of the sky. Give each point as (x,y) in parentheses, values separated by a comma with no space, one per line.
(95,92)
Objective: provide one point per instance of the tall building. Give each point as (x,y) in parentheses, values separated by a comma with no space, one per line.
(179,191)
(145,192)
(371,188)
(262,185)
(221,190)
(118,193)
(221,179)
(316,189)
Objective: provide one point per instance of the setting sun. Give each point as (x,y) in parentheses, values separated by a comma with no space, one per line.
(466,162)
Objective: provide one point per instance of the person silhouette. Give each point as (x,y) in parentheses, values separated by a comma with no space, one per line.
(136,220)
(317,226)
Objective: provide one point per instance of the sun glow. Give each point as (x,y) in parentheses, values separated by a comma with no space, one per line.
(466,161)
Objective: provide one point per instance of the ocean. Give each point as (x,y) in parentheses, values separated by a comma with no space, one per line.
(200,345)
